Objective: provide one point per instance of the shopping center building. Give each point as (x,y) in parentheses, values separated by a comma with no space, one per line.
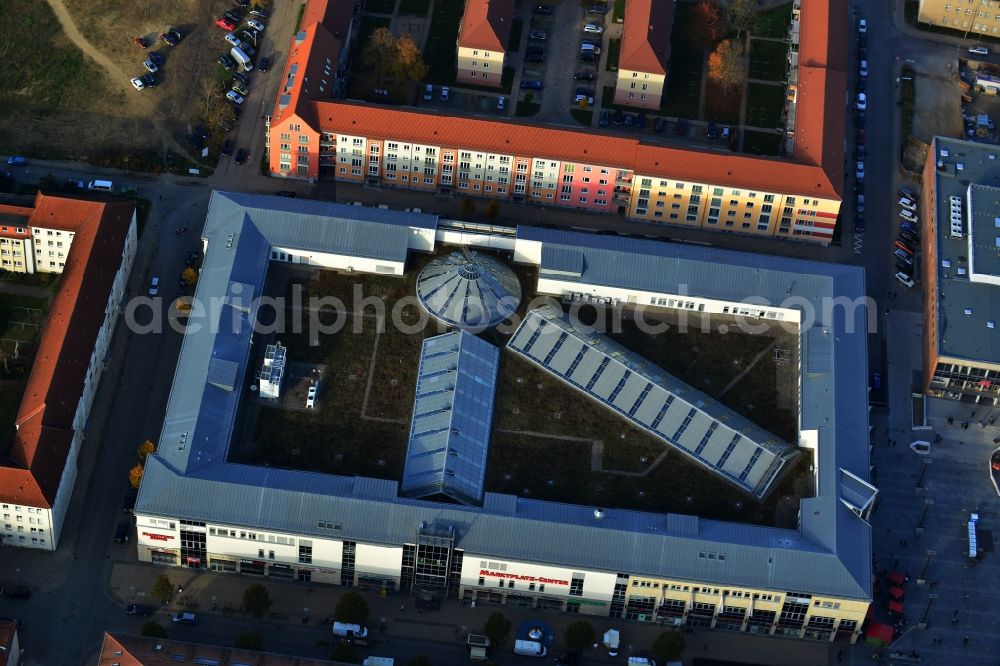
(314,132)
(196,509)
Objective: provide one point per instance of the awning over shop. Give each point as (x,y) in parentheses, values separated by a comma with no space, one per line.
(879,634)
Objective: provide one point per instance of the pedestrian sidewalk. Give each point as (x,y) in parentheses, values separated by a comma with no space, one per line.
(298,603)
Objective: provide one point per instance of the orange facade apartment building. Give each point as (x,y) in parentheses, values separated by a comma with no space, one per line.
(312,134)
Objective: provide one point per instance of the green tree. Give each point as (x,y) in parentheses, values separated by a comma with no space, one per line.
(154,629)
(379,53)
(252,640)
(163,589)
(668,646)
(497,627)
(492,209)
(346,653)
(352,609)
(256,600)
(578,635)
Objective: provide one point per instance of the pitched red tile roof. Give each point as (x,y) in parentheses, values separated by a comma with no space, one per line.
(486,24)
(45,416)
(745,171)
(822,34)
(334,15)
(646,36)
(307,77)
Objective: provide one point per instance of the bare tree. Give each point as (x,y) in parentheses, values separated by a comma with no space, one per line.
(740,14)
(379,53)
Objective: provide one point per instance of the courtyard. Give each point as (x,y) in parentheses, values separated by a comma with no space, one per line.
(549,441)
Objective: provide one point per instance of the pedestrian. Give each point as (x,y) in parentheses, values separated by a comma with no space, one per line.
(402,607)
(596,644)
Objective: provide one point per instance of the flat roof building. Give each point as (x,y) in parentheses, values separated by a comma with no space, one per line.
(196,509)
(960,223)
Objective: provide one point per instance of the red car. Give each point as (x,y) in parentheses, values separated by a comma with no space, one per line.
(225,24)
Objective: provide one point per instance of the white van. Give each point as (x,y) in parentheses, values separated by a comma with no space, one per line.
(908,203)
(904,278)
(378,661)
(344,630)
(908,215)
(530,649)
(241,58)
(101,186)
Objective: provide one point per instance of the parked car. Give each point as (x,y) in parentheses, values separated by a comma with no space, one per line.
(311,397)
(241,157)
(227,147)
(681,127)
(862,26)
(725,132)
(227,61)
(139,609)
(862,102)
(640,120)
(908,215)
(185,618)
(589,42)
(150,66)
(906,192)
(605,118)
(583,90)
(979,50)
(861,136)
(659,125)
(225,24)
(712,131)
(242,3)
(72,183)
(618,118)
(154,286)
(593,29)
(429,92)
(264,64)
(233,39)
(531,84)
(150,80)
(157,58)
(859,205)
(445,94)
(169,38)
(233,15)
(629,120)
(138,84)
(905,278)
(543,10)
(579,99)
(242,78)
(234,98)
(589,57)
(121,533)
(534,57)
(859,170)
(256,25)
(17,160)
(540,35)
(501,103)
(599,8)
(863,68)
(260,13)
(585,76)
(240,88)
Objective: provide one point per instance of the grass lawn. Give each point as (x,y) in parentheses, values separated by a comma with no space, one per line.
(380,6)
(524,109)
(618,14)
(439,53)
(722,105)
(51,74)
(762,143)
(583,116)
(684,77)
(768,60)
(514,42)
(415,7)
(368,25)
(614,51)
(773,22)
(764,105)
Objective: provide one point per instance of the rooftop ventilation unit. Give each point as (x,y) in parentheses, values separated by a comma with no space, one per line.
(968,311)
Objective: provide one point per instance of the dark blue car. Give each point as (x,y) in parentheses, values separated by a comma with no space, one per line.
(531,84)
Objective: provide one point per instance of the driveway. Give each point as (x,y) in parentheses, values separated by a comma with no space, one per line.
(562,46)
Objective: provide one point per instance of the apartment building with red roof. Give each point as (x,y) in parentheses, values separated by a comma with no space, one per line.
(645,52)
(312,135)
(10,643)
(482,41)
(91,244)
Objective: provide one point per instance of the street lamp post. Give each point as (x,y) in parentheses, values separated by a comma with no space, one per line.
(927,611)
(922,578)
(923,473)
(928,503)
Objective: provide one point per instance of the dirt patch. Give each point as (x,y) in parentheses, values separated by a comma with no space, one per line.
(938,105)
(74,98)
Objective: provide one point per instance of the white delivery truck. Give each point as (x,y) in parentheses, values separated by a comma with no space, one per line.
(241,58)
(530,649)
(611,641)
(350,632)
(479,647)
